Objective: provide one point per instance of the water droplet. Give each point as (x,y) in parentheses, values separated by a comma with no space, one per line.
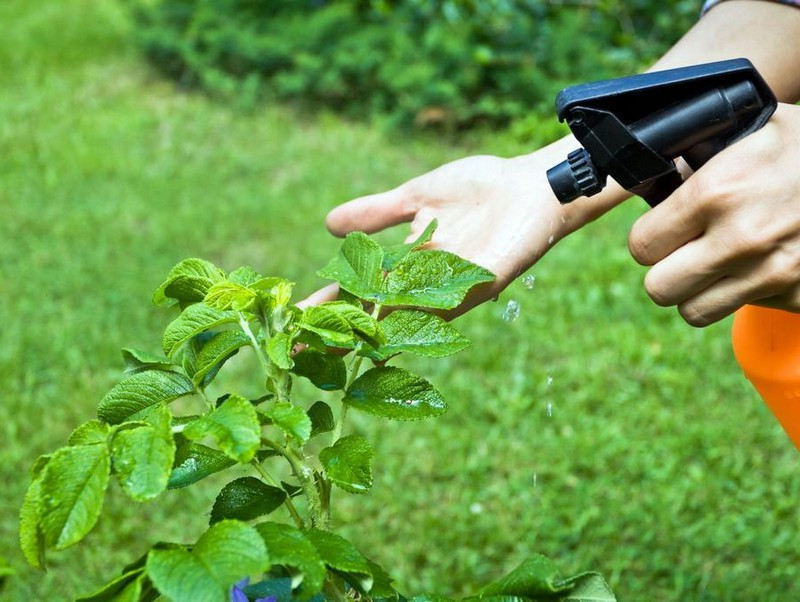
(476,508)
(549,380)
(549,408)
(511,312)
(528,281)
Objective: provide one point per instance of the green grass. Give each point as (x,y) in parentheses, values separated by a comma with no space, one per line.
(659,466)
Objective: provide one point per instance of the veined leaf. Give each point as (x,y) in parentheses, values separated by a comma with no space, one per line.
(194,462)
(228,551)
(192,321)
(321,418)
(357,267)
(217,351)
(31,537)
(394,393)
(589,587)
(188,281)
(435,279)
(279,349)
(291,419)
(341,555)
(72,490)
(137,361)
(328,324)
(246,498)
(382,583)
(244,275)
(227,295)
(326,371)
(233,425)
(348,463)
(122,588)
(536,576)
(288,546)
(139,391)
(420,333)
(396,253)
(89,433)
(360,321)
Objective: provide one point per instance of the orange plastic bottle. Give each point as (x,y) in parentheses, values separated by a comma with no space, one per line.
(766,343)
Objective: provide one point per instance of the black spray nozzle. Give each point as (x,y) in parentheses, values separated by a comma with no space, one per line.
(632,128)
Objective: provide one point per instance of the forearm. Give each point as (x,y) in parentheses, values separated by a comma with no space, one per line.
(766,33)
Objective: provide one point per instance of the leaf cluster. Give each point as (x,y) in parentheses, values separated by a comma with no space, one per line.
(142,442)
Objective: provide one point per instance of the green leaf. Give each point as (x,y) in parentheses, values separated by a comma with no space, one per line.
(89,433)
(122,588)
(536,576)
(321,417)
(192,321)
(357,267)
(279,349)
(348,463)
(233,425)
(244,275)
(420,333)
(435,279)
(360,321)
(382,585)
(291,419)
(228,551)
(140,391)
(589,587)
(72,490)
(39,464)
(288,546)
(188,281)
(31,537)
(341,555)
(194,462)
(394,393)
(394,254)
(227,295)
(142,458)
(325,370)
(137,361)
(245,499)
(328,324)
(217,351)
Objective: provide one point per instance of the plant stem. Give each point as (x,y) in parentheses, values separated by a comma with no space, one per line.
(304,474)
(288,501)
(262,358)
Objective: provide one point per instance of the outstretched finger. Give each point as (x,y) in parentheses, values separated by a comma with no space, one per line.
(371,213)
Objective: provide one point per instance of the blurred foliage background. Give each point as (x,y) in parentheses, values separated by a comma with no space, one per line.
(659,465)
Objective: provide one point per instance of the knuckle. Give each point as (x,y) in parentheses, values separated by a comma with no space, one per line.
(694,316)
(783,269)
(638,245)
(746,239)
(657,291)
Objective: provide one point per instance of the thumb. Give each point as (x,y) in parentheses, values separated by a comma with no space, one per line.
(371,213)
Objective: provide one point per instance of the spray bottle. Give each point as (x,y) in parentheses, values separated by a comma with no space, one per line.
(632,129)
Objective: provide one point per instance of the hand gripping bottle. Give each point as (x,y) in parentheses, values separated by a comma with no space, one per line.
(766,343)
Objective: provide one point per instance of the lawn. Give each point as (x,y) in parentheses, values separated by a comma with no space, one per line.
(659,465)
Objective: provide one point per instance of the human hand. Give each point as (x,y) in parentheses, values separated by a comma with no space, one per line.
(498,213)
(730,235)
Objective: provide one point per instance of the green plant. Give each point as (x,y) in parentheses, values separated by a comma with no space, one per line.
(149,449)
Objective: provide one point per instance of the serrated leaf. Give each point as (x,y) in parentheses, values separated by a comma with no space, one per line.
(328,324)
(227,295)
(394,393)
(288,546)
(142,458)
(324,370)
(435,279)
(39,464)
(321,416)
(228,551)
(137,360)
(589,587)
(188,281)
(341,555)
(89,433)
(420,333)
(382,584)
(360,321)
(244,275)
(536,576)
(140,391)
(194,462)
(246,498)
(291,419)
(119,589)
(233,425)
(31,537)
(394,254)
(357,267)
(348,463)
(279,349)
(192,321)
(72,491)
(217,351)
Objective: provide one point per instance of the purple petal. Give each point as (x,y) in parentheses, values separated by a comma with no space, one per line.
(267,599)
(237,595)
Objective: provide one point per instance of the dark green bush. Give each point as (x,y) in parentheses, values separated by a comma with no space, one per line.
(443,63)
